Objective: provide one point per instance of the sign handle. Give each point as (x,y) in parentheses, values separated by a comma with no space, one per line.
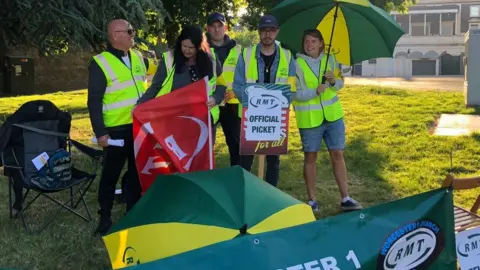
(261,166)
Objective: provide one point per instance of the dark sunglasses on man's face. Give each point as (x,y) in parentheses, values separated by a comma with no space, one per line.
(129,31)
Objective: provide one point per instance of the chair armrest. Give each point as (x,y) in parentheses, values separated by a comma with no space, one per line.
(8,165)
(12,167)
(95,155)
(87,150)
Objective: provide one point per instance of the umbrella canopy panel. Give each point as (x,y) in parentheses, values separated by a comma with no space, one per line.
(362,31)
(182,212)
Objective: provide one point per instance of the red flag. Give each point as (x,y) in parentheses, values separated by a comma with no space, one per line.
(172,133)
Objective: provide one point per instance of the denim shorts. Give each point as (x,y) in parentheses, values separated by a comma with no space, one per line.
(333,133)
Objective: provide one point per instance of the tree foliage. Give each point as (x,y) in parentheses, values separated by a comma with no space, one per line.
(54,25)
(183,12)
(256,8)
(245,38)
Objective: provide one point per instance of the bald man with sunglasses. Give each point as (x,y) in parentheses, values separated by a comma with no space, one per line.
(117,79)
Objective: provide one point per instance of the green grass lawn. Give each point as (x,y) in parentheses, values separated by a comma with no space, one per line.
(390,154)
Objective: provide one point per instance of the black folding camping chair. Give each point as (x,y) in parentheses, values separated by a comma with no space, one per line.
(36,127)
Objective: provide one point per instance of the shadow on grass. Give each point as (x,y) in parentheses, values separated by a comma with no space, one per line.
(365,180)
(475,108)
(385,91)
(364,169)
(78,110)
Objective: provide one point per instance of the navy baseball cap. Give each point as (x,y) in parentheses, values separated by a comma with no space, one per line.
(216,16)
(268,21)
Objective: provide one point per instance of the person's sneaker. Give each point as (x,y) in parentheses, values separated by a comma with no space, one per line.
(103,225)
(350,205)
(314,205)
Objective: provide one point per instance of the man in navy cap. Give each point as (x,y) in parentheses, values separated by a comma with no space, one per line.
(273,64)
(227,50)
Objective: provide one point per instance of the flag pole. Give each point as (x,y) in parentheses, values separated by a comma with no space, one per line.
(210,150)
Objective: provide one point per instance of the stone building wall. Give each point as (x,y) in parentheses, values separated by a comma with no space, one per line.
(57,73)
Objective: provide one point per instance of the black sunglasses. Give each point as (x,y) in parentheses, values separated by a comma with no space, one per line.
(129,31)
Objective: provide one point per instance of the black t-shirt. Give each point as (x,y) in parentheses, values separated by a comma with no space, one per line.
(193,73)
(268,59)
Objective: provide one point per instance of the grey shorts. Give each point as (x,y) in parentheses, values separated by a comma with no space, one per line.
(333,133)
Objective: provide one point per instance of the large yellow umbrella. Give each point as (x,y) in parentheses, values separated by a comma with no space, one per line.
(353,30)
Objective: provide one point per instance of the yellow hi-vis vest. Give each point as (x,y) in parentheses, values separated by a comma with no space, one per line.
(327,106)
(152,66)
(168,82)
(251,68)
(168,58)
(124,86)
(229,68)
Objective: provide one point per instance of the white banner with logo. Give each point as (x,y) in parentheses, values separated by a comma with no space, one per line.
(264,114)
(468,249)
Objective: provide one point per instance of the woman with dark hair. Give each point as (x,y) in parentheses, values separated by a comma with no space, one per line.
(190,60)
(319,115)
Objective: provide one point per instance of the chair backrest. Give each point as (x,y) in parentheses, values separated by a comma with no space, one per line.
(463,184)
(37,126)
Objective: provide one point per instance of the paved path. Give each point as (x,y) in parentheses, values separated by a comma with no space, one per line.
(457,125)
(443,83)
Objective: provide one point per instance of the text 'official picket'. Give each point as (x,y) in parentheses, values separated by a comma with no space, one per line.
(267,129)
(263,118)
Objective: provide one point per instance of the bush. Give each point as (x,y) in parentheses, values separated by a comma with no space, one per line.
(245,38)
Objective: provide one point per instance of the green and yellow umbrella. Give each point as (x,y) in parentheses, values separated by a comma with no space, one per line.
(182,212)
(353,30)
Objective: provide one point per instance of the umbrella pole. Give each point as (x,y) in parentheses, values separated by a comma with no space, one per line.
(331,40)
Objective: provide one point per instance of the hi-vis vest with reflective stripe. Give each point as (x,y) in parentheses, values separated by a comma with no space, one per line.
(327,106)
(251,68)
(124,86)
(168,82)
(229,68)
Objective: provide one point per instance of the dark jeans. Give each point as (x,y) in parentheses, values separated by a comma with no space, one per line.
(230,123)
(114,160)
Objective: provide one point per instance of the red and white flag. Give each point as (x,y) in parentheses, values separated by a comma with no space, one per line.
(172,133)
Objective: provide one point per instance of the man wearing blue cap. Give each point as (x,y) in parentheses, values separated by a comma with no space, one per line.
(227,51)
(274,64)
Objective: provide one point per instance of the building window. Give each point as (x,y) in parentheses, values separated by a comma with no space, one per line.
(372,61)
(474,11)
(420,29)
(447,28)
(403,21)
(433,22)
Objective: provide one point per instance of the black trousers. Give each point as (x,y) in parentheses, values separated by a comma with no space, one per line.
(231,128)
(114,160)
(273,167)
(272,162)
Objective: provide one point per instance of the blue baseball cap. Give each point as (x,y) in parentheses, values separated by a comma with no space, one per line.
(268,21)
(216,16)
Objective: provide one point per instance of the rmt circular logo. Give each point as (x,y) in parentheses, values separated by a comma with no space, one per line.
(413,246)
